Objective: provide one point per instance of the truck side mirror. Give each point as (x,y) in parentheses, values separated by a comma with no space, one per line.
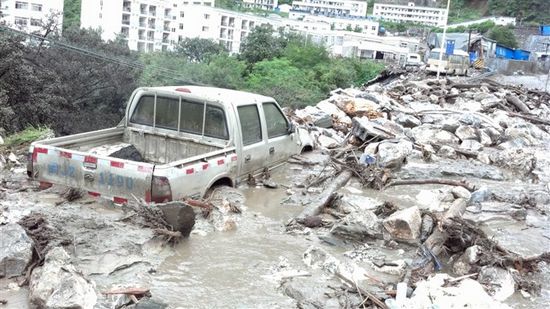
(291,128)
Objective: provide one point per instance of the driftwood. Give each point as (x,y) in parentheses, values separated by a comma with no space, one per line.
(326,196)
(437,181)
(127,291)
(362,291)
(530,118)
(517,103)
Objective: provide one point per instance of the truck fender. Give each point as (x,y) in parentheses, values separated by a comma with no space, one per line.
(223,178)
(305,138)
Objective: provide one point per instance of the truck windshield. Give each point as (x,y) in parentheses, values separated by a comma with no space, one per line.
(174,113)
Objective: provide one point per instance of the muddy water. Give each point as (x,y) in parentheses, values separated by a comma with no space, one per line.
(229,269)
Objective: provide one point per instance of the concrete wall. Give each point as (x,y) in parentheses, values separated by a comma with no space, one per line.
(508,67)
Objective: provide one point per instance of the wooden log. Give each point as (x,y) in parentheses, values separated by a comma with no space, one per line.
(530,118)
(127,291)
(362,291)
(512,99)
(436,181)
(316,206)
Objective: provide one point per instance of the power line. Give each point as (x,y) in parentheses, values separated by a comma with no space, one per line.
(132,64)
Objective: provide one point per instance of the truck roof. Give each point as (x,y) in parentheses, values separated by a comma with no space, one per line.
(215,94)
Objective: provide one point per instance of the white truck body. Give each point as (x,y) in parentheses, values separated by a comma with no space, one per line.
(189,139)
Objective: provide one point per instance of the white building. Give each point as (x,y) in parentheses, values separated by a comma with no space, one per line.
(411,13)
(31,15)
(151,25)
(284,8)
(332,8)
(267,5)
(498,20)
(148,25)
(363,25)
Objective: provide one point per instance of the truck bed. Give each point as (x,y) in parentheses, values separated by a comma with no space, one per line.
(153,148)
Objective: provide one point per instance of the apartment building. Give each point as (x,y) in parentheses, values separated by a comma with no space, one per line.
(362,25)
(411,13)
(331,8)
(147,25)
(30,15)
(266,5)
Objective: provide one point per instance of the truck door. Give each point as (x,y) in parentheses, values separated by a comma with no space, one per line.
(281,142)
(253,151)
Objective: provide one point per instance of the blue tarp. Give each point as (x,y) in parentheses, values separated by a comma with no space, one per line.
(545,30)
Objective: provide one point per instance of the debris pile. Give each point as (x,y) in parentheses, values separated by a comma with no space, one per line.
(469,142)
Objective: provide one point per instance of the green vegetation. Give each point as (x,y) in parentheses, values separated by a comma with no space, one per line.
(462,10)
(537,11)
(503,35)
(71,14)
(28,135)
(287,67)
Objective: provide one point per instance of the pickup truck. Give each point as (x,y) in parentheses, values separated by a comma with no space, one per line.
(174,142)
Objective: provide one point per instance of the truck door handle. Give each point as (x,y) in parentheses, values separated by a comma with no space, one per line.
(271,150)
(247,158)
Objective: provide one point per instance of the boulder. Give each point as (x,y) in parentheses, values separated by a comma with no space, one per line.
(498,281)
(58,284)
(447,152)
(464,264)
(391,153)
(357,106)
(427,134)
(358,225)
(15,250)
(407,121)
(450,124)
(333,110)
(326,142)
(466,132)
(517,159)
(435,293)
(363,128)
(404,225)
(314,115)
(461,192)
(471,145)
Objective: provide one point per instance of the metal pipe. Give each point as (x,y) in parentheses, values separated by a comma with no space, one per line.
(443,39)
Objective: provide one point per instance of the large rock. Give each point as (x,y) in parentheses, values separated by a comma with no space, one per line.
(407,121)
(391,153)
(471,145)
(499,282)
(358,225)
(333,110)
(58,284)
(15,250)
(464,264)
(404,224)
(314,115)
(427,134)
(435,293)
(357,107)
(517,159)
(466,132)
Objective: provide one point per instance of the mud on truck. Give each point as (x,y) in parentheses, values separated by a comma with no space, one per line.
(174,142)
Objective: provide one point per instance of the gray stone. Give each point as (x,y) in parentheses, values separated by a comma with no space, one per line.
(450,124)
(150,303)
(470,119)
(15,250)
(499,282)
(404,224)
(426,227)
(58,284)
(517,159)
(1,141)
(484,138)
(391,154)
(471,145)
(447,152)
(464,264)
(358,225)
(466,132)
(483,157)
(480,195)
(427,134)
(314,115)
(461,192)
(433,98)
(327,142)
(407,98)
(407,121)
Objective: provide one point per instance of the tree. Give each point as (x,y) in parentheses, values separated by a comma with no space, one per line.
(261,44)
(199,50)
(71,14)
(305,54)
(289,85)
(503,35)
(225,71)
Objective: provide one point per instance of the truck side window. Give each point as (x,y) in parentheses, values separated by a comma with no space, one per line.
(143,113)
(275,121)
(215,125)
(250,124)
(191,117)
(167,113)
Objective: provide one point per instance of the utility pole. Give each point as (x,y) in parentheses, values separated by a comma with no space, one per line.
(441,46)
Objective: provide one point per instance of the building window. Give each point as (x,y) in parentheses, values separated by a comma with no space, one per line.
(21,21)
(204,29)
(36,7)
(21,5)
(206,16)
(181,26)
(36,22)
(182,14)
